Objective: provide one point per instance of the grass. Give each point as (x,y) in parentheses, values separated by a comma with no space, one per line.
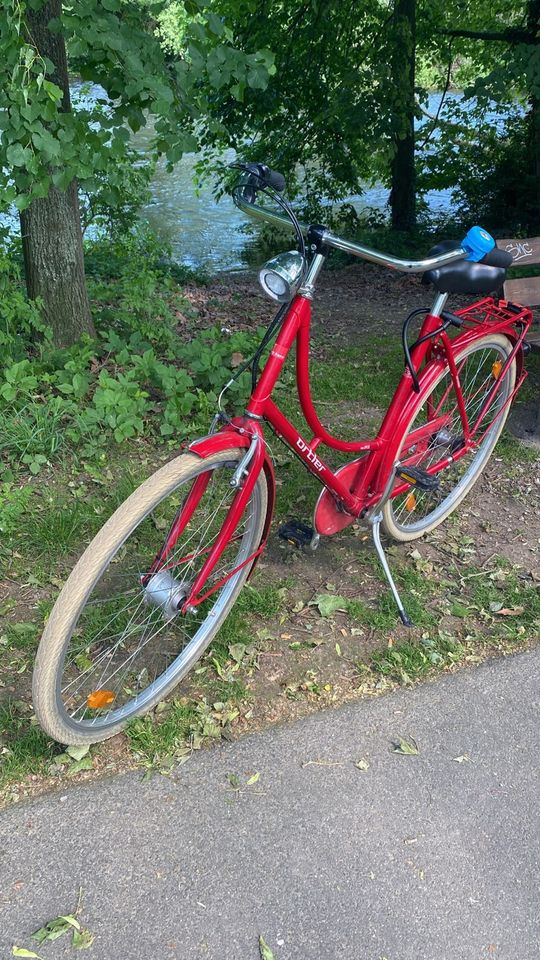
(25,748)
(152,737)
(408,662)
(32,430)
(49,529)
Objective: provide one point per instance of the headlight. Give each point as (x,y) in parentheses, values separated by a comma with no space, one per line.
(281,277)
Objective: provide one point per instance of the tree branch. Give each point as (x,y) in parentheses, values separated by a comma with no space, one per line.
(504,36)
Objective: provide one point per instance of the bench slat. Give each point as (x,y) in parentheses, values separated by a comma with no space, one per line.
(525,291)
(525,252)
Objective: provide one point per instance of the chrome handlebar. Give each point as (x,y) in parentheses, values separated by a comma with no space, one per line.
(347,246)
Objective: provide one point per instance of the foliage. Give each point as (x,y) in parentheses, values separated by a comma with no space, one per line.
(112,44)
(141,378)
(496,185)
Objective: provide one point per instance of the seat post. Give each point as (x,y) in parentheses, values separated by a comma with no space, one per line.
(438,304)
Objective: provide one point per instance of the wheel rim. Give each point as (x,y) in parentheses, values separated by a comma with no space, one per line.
(122,642)
(414,509)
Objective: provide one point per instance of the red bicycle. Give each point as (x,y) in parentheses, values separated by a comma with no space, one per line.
(152,589)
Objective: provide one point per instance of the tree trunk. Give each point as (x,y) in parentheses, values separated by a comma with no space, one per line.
(533,24)
(51,227)
(403,192)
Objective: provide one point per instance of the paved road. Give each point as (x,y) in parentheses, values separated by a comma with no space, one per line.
(416,858)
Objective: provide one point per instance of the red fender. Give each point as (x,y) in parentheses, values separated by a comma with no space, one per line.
(232,436)
(427,378)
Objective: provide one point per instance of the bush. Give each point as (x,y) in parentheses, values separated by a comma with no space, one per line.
(140,378)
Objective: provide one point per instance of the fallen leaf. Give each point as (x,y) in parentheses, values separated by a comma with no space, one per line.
(236,359)
(510,611)
(362,764)
(329,604)
(463,758)
(21,952)
(254,779)
(78,752)
(264,950)
(82,939)
(234,780)
(406,746)
(55,928)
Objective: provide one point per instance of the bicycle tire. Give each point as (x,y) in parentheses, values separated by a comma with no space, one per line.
(137,515)
(407,522)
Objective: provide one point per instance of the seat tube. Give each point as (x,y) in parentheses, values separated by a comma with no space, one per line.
(431,322)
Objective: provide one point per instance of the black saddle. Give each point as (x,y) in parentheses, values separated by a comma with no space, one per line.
(465,276)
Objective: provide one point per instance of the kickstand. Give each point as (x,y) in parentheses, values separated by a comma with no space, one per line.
(375,522)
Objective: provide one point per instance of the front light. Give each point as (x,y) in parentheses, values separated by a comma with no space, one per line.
(281,277)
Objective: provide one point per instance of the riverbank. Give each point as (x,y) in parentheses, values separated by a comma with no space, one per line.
(312,630)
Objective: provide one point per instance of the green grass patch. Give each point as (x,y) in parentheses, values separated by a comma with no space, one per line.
(416,591)
(22,636)
(512,451)
(408,662)
(160,735)
(25,748)
(503,596)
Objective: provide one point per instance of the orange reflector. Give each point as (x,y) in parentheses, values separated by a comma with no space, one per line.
(496,369)
(410,502)
(100,698)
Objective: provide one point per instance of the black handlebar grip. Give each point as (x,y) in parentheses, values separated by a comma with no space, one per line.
(264,175)
(497,258)
(275,180)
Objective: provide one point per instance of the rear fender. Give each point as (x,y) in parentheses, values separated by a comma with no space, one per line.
(427,378)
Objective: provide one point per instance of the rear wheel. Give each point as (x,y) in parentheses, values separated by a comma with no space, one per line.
(117,641)
(414,512)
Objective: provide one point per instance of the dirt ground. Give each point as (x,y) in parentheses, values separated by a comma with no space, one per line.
(473,583)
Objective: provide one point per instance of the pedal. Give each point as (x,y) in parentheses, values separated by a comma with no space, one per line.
(418,478)
(298,534)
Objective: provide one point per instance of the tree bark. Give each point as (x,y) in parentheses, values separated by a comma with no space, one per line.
(403,192)
(51,226)
(533,25)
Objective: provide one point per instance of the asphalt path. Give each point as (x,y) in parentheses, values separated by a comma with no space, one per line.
(432,856)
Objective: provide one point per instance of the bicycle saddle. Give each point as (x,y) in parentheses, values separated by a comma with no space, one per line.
(464,276)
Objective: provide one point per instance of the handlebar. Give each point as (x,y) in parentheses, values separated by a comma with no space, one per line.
(242,198)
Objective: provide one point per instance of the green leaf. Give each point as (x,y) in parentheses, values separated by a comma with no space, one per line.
(406,746)
(78,752)
(264,950)
(82,939)
(254,779)
(17,155)
(362,764)
(21,952)
(237,651)
(85,764)
(329,604)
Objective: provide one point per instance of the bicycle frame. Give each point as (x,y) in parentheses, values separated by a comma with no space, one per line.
(374,475)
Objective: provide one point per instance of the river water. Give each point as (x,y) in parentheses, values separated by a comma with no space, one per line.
(205,233)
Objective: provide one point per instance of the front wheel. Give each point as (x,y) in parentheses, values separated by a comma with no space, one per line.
(117,640)
(413,512)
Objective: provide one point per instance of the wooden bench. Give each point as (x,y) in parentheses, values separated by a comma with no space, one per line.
(525,291)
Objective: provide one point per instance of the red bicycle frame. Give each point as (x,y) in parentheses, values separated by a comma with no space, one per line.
(363,488)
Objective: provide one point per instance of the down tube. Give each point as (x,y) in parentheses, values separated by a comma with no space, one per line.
(315,465)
